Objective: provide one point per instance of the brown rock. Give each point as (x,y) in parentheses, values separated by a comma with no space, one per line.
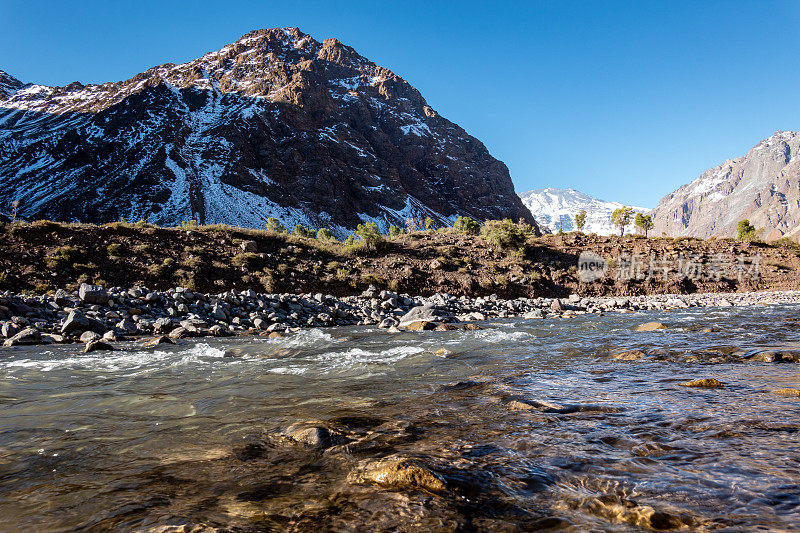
(707,383)
(471,327)
(421,325)
(94,346)
(401,472)
(650,326)
(446,327)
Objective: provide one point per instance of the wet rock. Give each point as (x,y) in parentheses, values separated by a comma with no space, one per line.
(629,355)
(471,327)
(421,325)
(393,329)
(9,329)
(536,313)
(24,337)
(446,327)
(707,383)
(155,341)
(93,294)
(111,336)
(89,336)
(442,352)
(556,306)
(179,333)
(52,338)
(317,436)
(94,346)
(402,473)
(787,392)
(220,331)
(650,326)
(275,335)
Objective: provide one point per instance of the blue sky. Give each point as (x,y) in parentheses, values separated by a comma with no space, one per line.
(623,100)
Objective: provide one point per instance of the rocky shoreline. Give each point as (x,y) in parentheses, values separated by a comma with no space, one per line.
(98,316)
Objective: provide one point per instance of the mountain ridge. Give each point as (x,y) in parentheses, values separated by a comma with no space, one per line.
(552,206)
(274,124)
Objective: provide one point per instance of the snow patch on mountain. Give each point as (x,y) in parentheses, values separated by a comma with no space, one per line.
(552,207)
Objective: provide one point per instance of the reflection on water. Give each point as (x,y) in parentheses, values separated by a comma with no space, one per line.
(524,424)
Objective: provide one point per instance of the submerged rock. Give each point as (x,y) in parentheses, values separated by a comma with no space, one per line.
(400,472)
(707,383)
(314,435)
(787,392)
(650,326)
(94,346)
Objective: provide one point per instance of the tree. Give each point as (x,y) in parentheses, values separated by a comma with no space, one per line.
(467,226)
(302,231)
(369,234)
(746,231)
(505,234)
(429,222)
(621,217)
(643,222)
(273,224)
(580,220)
(324,234)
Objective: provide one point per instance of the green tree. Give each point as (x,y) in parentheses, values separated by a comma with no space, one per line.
(301,231)
(467,226)
(506,234)
(429,222)
(273,224)
(746,231)
(643,223)
(621,217)
(369,234)
(324,234)
(580,220)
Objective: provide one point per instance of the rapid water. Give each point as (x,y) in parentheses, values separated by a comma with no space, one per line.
(534,424)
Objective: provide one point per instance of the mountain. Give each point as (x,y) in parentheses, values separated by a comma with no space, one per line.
(762,186)
(552,206)
(275,124)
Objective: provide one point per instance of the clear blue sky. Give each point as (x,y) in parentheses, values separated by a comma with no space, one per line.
(623,100)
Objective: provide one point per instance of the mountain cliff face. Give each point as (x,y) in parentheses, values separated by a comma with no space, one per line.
(275,124)
(763,187)
(552,207)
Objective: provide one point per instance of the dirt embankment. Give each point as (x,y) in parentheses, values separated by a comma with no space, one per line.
(44,256)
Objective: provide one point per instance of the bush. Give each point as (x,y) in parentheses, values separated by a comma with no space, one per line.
(62,257)
(247,259)
(467,226)
(394,231)
(324,234)
(274,225)
(429,222)
(746,231)
(370,235)
(301,231)
(786,243)
(506,234)
(186,224)
(114,250)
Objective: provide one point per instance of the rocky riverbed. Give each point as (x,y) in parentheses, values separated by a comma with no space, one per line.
(98,316)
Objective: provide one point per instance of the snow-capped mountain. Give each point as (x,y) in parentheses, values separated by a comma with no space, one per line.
(552,207)
(762,186)
(275,124)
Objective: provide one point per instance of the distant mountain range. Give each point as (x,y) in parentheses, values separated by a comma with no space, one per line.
(762,186)
(276,124)
(551,207)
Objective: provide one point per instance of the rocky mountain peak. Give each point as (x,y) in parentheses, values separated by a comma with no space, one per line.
(8,84)
(762,186)
(273,124)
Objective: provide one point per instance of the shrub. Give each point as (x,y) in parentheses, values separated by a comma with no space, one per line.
(505,234)
(324,234)
(394,231)
(429,222)
(787,243)
(580,220)
(467,226)
(274,225)
(370,235)
(62,257)
(187,224)
(746,231)
(114,250)
(247,259)
(301,231)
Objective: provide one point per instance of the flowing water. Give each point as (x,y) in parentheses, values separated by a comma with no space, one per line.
(530,424)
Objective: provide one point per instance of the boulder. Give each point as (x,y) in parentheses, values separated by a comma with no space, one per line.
(179,333)
(126,325)
(314,435)
(446,327)
(89,336)
(93,294)
(556,306)
(155,341)
(9,329)
(26,336)
(421,325)
(163,325)
(535,313)
(249,246)
(76,321)
(426,313)
(94,346)
(471,327)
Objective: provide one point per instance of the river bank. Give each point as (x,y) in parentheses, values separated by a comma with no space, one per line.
(98,316)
